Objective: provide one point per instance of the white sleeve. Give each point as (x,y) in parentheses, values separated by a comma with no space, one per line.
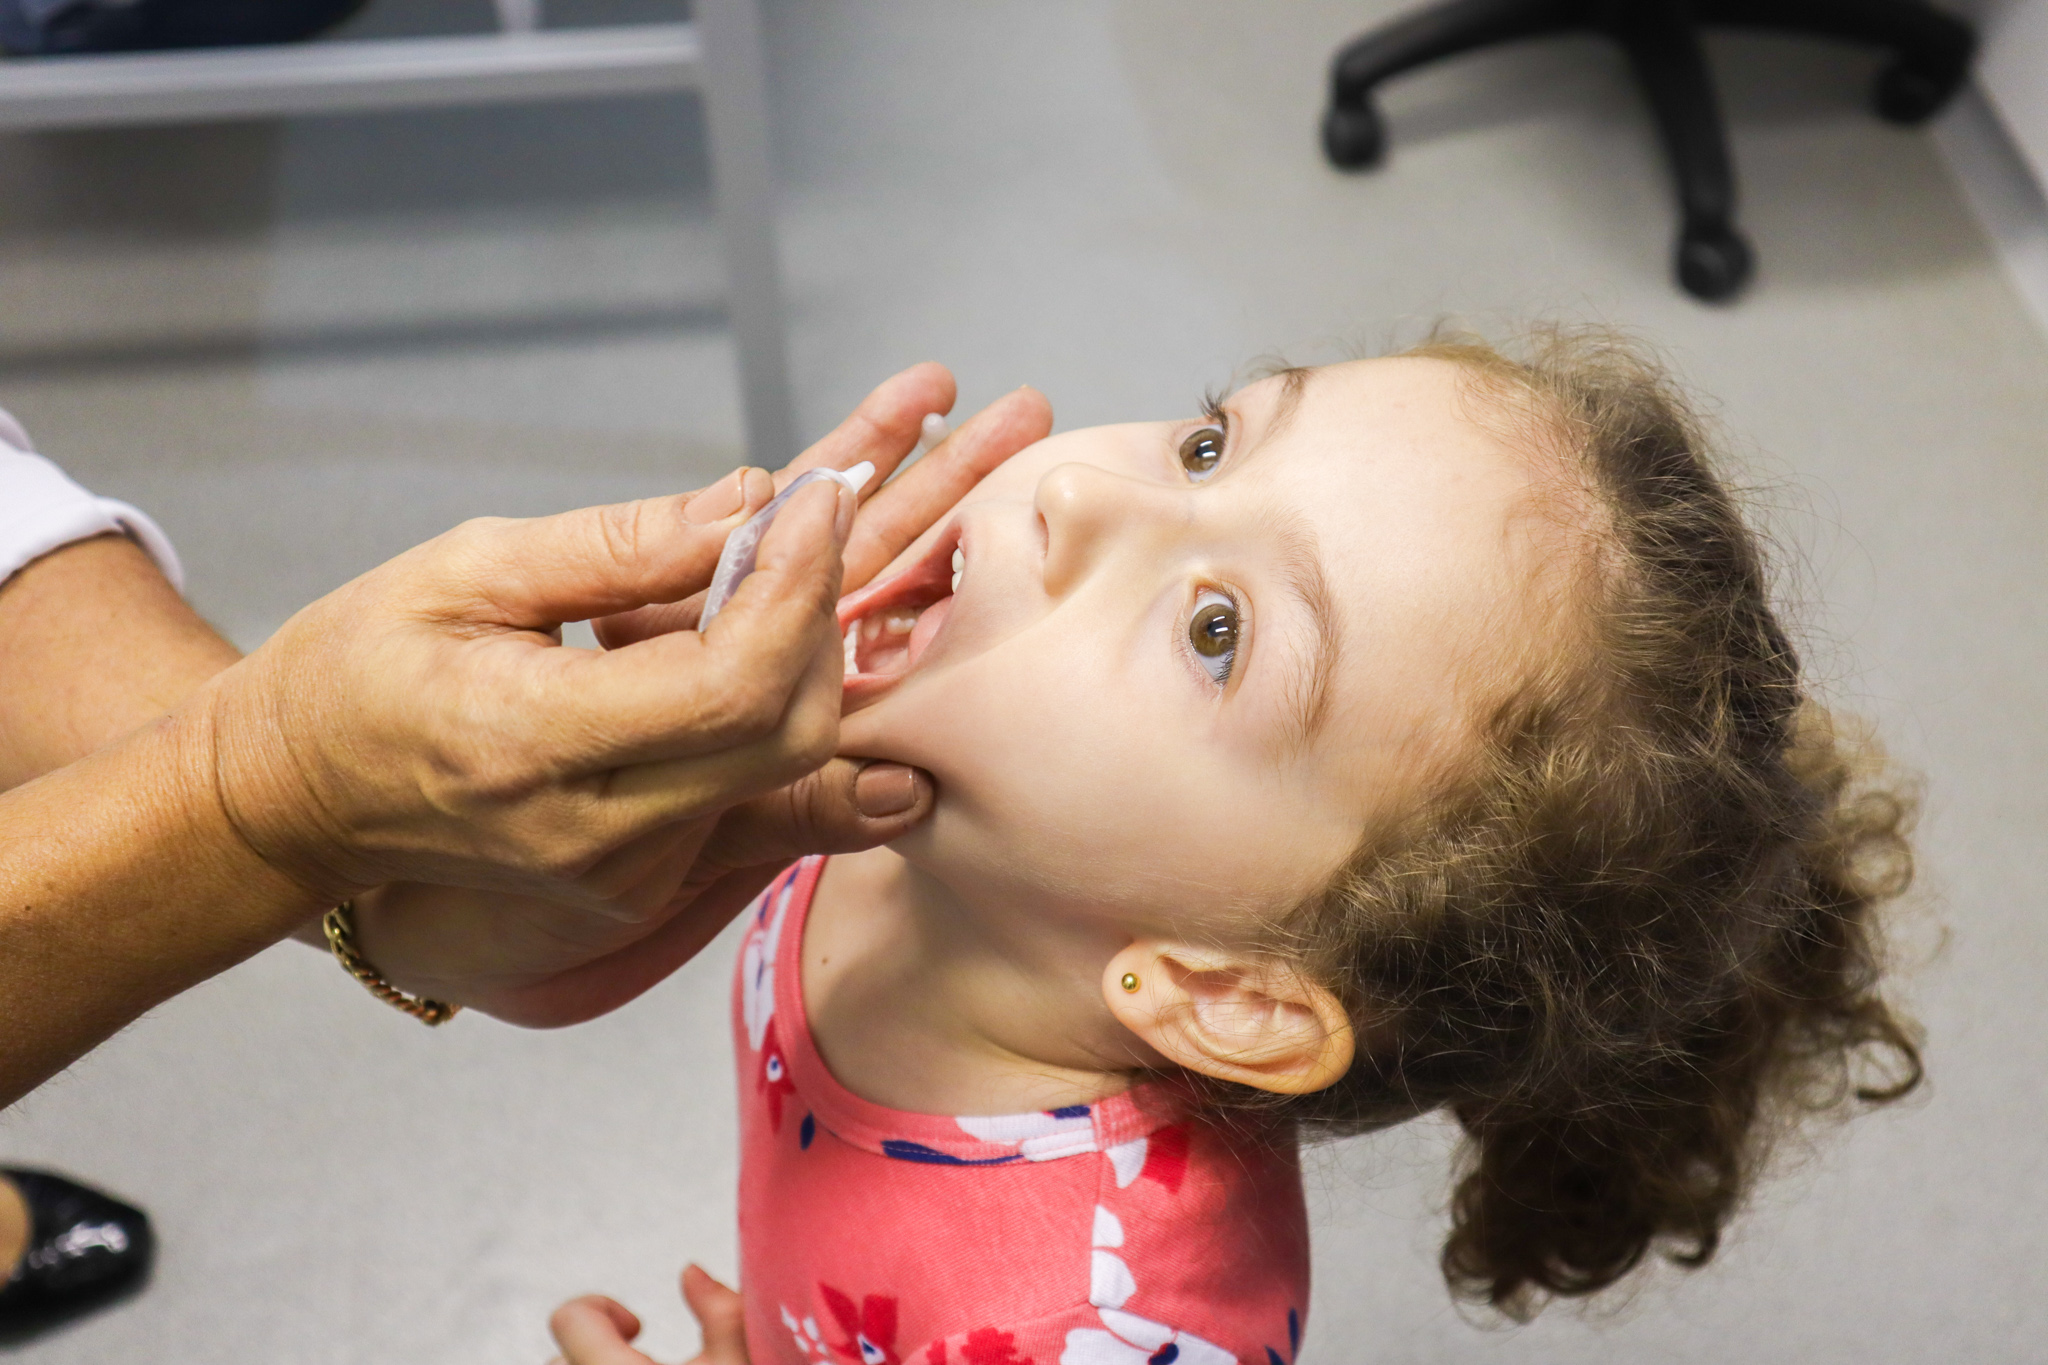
(41,510)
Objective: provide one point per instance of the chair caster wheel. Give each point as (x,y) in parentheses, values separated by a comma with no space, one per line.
(1353,136)
(1909,95)
(1713,263)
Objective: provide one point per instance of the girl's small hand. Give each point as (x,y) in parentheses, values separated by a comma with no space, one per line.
(595,1330)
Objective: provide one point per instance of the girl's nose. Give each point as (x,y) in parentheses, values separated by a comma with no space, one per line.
(1087,510)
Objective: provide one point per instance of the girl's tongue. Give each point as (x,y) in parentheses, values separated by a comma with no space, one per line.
(927,626)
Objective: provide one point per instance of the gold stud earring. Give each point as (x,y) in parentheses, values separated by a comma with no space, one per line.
(1130,982)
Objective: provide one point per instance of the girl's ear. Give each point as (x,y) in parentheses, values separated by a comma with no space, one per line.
(1258,1023)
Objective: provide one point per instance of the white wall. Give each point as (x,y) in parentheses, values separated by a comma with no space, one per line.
(2013,71)
(1995,139)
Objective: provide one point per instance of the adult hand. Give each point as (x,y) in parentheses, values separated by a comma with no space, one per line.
(423,723)
(541,961)
(884,428)
(595,1330)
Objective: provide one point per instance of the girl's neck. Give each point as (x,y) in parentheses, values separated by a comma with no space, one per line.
(923,1002)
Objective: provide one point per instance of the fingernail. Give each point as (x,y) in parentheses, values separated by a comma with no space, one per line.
(721,499)
(849,501)
(885,789)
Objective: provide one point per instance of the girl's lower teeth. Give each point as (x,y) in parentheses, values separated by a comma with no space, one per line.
(879,645)
(884,638)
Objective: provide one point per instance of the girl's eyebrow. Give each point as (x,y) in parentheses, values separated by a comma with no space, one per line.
(1293,384)
(1300,562)
(1307,688)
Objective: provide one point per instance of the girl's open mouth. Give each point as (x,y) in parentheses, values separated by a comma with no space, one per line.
(889,624)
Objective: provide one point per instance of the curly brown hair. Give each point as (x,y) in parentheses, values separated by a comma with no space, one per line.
(1640,933)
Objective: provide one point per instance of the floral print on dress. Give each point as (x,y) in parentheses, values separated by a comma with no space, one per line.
(1127,1338)
(1122,1232)
(982,1346)
(758,954)
(772,1078)
(804,1332)
(1160,1156)
(868,1330)
(1045,1136)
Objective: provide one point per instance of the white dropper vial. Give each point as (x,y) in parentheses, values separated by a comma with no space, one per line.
(742,547)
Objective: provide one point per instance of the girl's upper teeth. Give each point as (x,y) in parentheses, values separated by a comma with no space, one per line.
(959,564)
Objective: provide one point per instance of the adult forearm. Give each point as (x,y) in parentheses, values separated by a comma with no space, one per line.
(121,884)
(93,643)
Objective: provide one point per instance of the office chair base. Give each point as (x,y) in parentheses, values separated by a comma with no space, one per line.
(1713,263)
(1354,136)
(1930,60)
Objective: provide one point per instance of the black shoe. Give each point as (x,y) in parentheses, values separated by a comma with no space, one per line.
(85,1251)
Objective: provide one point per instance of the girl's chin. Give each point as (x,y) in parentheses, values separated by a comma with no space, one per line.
(927,849)
(904,712)
(871,730)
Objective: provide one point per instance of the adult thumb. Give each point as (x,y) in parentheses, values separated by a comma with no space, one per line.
(848,805)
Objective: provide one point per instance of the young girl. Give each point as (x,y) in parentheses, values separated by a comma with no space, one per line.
(1404,734)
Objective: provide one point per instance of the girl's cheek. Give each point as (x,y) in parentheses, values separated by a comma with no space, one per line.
(1014,480)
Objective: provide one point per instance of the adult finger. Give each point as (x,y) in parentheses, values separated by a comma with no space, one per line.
(848,805)
(893,518)
(595,1330)
(649,794)
(687,694)
(904,510)
(883,429)
(605,983)
(539,572)
(721,1316)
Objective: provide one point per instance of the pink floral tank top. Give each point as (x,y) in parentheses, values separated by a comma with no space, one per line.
(1114,1233)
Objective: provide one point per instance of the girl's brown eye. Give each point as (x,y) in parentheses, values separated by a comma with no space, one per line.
(1200,452)
(1213,631)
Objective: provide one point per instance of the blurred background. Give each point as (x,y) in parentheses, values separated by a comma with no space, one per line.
(307,344)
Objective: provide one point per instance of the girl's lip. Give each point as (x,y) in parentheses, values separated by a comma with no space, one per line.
(922,583)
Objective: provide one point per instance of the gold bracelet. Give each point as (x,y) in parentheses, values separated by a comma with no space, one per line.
(340,925)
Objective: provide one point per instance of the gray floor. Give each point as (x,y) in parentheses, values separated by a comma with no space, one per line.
(308,345)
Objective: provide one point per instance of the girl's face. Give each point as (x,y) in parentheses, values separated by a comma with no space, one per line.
(1188,664)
